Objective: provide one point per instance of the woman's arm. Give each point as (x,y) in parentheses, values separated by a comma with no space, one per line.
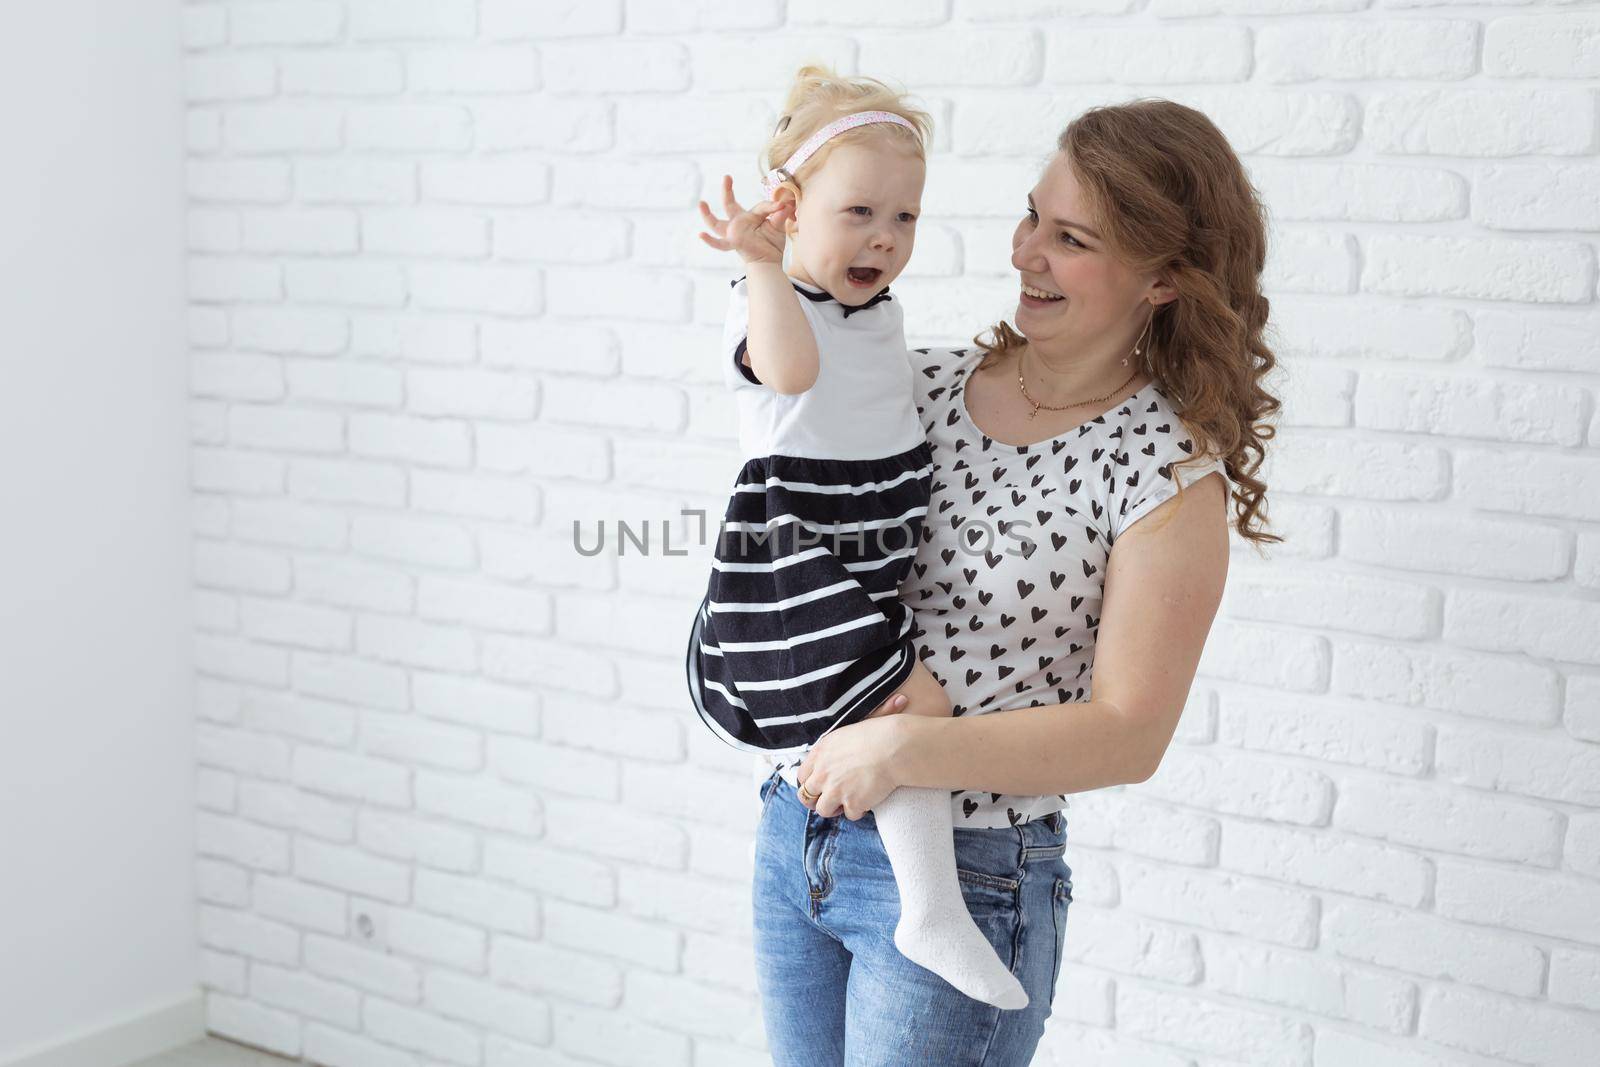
(1163,585)
(1052,748)
(781,347)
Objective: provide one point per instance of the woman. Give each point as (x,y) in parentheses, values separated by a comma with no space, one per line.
(1074,532)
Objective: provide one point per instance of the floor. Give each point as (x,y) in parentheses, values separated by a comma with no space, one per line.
(212,1052)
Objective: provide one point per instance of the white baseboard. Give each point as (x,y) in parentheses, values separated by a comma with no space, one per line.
(157,1029)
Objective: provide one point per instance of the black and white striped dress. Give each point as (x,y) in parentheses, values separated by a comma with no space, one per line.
(801,630)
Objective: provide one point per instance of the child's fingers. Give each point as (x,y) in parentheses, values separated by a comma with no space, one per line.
(716,242)
(765,208)
(779,218)
(729,204)
(712,221)
(774,215)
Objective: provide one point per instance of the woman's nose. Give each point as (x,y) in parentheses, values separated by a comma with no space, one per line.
(1025,255)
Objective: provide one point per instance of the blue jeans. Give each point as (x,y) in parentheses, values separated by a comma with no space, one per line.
(836,991)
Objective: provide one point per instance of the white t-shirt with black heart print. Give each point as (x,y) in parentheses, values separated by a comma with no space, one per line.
(1008,581)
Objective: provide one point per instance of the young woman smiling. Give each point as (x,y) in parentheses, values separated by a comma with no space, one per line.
(1085,456)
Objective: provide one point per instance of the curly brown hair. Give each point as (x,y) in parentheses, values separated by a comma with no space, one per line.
(1171,198)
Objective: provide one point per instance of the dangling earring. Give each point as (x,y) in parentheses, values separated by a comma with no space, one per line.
(1137,350)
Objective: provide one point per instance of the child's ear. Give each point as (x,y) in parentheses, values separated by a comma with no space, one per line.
(785,194)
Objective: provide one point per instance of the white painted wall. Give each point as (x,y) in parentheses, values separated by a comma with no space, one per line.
(96,691)
(446,298)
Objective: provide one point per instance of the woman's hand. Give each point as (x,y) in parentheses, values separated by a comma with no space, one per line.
(852,768)
(758,235)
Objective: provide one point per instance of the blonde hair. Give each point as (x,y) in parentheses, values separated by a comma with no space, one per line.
(817,97)
(1171,197)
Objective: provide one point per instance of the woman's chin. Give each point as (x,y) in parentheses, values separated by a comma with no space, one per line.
(1049,318)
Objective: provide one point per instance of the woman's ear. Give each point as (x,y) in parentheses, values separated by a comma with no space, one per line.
(1162,291)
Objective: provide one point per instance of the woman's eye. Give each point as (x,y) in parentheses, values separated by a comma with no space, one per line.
(1065,236)
(1033,216)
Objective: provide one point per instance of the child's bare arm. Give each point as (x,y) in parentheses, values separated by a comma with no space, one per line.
(780,347)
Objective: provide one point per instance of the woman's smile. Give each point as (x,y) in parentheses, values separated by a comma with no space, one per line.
(1039,298)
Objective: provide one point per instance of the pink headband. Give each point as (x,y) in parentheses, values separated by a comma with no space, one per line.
(778,175)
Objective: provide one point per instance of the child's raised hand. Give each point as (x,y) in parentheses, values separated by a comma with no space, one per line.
(756,234)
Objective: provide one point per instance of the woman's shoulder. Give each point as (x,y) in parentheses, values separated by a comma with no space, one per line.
(1158,455)
(938,367)
(949,353)
(1158,412)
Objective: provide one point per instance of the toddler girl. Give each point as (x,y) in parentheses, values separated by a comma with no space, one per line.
(801,630)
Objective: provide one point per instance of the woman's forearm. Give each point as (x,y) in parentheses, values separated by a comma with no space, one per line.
(781,346)
(1052,748)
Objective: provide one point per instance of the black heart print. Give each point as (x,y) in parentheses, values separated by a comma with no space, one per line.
(1011,645)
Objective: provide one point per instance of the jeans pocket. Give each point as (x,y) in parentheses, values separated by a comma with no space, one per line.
(992,901)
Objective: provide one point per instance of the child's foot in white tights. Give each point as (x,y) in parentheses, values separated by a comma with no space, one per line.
(936,931)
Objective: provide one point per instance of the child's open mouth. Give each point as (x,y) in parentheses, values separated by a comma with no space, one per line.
(863,277)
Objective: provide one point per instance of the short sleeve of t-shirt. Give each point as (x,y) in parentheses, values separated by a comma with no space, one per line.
(736,333)
(1149,465)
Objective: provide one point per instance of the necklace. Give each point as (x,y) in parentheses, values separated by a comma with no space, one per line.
(1066,405)
(1137,349)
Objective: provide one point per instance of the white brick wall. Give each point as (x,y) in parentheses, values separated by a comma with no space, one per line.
(446,299)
